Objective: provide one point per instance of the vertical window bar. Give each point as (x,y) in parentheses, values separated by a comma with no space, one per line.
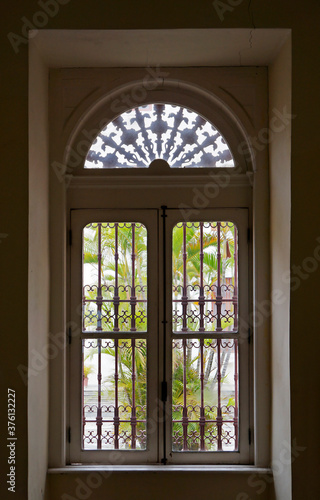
(99,411)
(99,296)
(219,296)
(236,419)
(185,410)
(202,416)
(116,298)
(116,419)
(201,291)
(83,312)
(133,409)
(219,413)
(83,297)
(164,323)
(133,298)
(82,397)
(235,289)
(184,298)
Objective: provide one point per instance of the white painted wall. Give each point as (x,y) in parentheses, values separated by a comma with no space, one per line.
(280,77)
(280,217)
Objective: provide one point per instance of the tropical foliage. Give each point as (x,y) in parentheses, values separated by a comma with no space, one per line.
(110,269)
(189,367)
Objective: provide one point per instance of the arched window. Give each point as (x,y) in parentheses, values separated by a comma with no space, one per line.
(198,360)
(176,134)
(159,207)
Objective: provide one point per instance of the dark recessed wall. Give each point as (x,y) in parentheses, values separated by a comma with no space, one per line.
(303,19)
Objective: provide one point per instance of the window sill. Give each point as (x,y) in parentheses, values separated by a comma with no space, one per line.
(245,469)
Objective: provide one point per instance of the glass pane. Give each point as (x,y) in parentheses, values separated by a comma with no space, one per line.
(114,277)
(205,277)
(175,134)
(205,395)
(114,394)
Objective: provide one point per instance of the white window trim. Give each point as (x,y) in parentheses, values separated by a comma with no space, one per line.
(239,216)
(80,218)
(260,244)
(154,451)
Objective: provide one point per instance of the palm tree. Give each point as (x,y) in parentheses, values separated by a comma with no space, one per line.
(117,279)
(124,273)
(210,268)
(191,392)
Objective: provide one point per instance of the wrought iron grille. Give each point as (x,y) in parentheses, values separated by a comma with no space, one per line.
(175,134)
(114,269)
(205,277)
(115,265)
(114,402)
(205,395)
(204,370)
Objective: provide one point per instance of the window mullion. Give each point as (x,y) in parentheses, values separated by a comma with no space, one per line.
(164,337)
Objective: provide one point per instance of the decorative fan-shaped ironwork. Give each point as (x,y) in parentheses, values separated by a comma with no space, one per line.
(175,134)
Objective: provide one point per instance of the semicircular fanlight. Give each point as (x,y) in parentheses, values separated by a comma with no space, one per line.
(175,134)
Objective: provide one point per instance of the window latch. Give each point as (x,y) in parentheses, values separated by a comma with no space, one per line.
(164,391)
(69,434)
(69,335)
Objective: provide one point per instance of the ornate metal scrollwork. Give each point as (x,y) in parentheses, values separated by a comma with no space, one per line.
(175,134)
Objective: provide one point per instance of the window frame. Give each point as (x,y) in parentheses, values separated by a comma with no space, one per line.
(79,219)
(159,342)
(250,184)
(239,216)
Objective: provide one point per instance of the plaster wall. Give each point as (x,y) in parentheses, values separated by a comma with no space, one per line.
(38,283)
(280,223)
(303,19)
